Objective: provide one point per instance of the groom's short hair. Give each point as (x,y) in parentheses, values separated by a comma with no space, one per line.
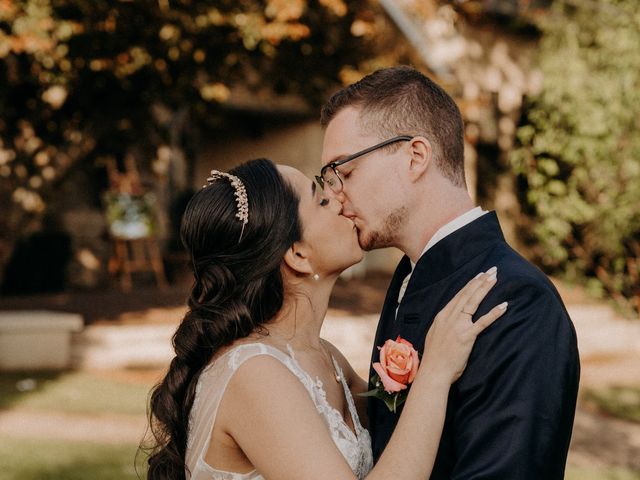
(402,101)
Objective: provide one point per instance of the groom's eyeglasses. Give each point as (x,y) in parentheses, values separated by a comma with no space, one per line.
(329,175)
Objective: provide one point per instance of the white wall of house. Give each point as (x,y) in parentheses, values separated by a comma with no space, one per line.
(298,145)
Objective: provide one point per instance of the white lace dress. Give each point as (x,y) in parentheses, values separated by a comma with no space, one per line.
(211,386)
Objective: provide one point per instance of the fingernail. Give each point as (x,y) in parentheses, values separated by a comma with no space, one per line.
(503,305)
(491,277)
(492,270)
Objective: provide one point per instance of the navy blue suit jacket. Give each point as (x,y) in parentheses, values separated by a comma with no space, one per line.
(511,413)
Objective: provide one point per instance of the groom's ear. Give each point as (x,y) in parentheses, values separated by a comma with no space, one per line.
(297,259)
(421,155)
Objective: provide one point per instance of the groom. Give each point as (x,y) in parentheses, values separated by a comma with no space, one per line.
(393,155)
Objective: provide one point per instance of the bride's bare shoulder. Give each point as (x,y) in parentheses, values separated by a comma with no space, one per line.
(270,414)
(262,386)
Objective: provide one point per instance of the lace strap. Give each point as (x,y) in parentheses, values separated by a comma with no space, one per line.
(347,393)
(242,353)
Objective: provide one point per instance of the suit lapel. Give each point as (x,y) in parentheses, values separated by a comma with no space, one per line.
(455,250)
(424,296)
(387,315)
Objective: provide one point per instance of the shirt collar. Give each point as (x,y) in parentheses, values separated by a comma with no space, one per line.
(455,224)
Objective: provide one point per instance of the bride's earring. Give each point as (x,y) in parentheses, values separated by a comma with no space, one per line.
(316,277)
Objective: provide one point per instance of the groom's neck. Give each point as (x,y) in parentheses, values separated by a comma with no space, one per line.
(430,214)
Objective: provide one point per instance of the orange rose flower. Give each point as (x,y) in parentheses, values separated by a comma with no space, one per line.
(398,364)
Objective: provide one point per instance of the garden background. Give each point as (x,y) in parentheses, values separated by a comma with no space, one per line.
(113,112)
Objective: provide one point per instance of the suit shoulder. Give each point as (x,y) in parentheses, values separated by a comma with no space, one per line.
(518,275)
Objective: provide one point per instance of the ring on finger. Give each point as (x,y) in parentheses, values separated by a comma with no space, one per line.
(467,313)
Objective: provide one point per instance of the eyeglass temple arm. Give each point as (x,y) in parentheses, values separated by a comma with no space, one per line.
(337,163)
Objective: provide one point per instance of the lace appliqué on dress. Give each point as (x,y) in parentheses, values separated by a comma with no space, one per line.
(211,385)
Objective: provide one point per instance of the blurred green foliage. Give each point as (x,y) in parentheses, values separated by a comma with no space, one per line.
(579,154)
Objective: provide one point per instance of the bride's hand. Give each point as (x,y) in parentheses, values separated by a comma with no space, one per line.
(453,333)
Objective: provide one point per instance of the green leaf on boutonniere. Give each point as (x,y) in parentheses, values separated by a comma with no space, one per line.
(391,400)
(370,393)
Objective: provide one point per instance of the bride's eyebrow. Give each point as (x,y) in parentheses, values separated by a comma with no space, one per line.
(313,189)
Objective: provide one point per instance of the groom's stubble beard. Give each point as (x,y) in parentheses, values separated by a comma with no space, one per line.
(386,235)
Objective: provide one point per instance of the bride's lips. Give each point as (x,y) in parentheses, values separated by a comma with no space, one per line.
(352,222)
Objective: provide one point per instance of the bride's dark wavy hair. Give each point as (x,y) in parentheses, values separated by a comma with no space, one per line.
(238,288)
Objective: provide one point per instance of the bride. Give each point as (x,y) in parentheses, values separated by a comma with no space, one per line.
(253,392)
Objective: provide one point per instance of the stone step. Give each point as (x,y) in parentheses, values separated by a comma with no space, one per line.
(36,339)
(123,346)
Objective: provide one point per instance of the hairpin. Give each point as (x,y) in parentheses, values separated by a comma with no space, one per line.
(240,193)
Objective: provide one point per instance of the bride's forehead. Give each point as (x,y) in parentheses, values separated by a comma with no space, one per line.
(293,175)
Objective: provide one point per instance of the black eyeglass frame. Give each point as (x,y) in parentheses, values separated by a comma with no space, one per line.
(337,163)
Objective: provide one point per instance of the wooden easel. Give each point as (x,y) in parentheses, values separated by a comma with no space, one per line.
(132,254)
(136,255)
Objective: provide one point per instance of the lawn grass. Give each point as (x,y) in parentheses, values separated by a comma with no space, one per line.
(574,473)
(63,460)
(620,402)
(82,392)
(74,392)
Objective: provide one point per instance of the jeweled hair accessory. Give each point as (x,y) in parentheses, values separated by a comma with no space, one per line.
(240,193)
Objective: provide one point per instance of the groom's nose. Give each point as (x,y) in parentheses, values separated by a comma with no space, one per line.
(335,196)
(336,205)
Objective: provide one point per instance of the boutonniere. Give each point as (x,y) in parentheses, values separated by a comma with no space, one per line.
(395,371)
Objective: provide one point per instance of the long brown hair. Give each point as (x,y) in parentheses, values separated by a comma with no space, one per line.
(238,288)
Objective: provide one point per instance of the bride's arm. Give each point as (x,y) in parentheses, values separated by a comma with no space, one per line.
(270,415)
